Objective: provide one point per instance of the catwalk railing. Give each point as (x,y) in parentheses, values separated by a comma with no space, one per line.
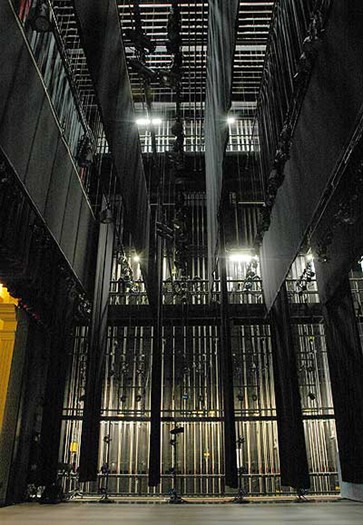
(196,291)
(50,55)
(276,102)
(243,136)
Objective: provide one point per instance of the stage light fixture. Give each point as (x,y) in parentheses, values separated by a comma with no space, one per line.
(140,40)
(240,257)
(85,149)
(177,430)
(40,18)
(106,215)
(143,121)
(143,70)
(312,396)
(164,231)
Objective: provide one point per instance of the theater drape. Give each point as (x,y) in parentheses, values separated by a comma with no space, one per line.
(293,458)
(345,358)
(220,51)
(96,353)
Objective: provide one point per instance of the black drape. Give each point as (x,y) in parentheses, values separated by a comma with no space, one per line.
(229,428)
(102,40)
(59,345)
(31,140)
(293,458)
(325,124)
(95,363)
(222,23)
(156,375)
(346,373)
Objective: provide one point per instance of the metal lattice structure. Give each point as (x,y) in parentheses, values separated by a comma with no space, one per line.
(191,381)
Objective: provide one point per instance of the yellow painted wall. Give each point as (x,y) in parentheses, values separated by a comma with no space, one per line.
(7,339)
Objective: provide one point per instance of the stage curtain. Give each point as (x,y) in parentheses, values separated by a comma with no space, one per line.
(326,122)
(102,41)
(222,25)
(293,459)
(96,353)
(346,374)
(226,364)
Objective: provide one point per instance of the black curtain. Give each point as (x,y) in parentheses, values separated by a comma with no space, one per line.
(28,452)
(222,24)
(346,373)
(102,40)
(95,365)
(325,125)
(293,459)
(230,453)
(58,346)
(31,141)
(156,375)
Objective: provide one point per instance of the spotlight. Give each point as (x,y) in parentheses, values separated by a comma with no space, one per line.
(136,259)
(177,430)
(156,121)
(84,154)
(240,257)
(231,120)
(106,216)
(40,17)
(140,40)
(143,121)
(164,231)
(143,70)
(312,396)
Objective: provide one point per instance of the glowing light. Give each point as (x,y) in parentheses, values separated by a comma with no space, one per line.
(136,259)
(231,120)
(143,121)
(240,257)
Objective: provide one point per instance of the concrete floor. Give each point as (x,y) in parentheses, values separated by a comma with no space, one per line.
(338,513)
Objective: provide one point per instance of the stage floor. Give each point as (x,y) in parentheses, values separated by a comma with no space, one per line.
(75,513)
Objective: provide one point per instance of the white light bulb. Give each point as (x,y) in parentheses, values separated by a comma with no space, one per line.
(143,121)
(240,257)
